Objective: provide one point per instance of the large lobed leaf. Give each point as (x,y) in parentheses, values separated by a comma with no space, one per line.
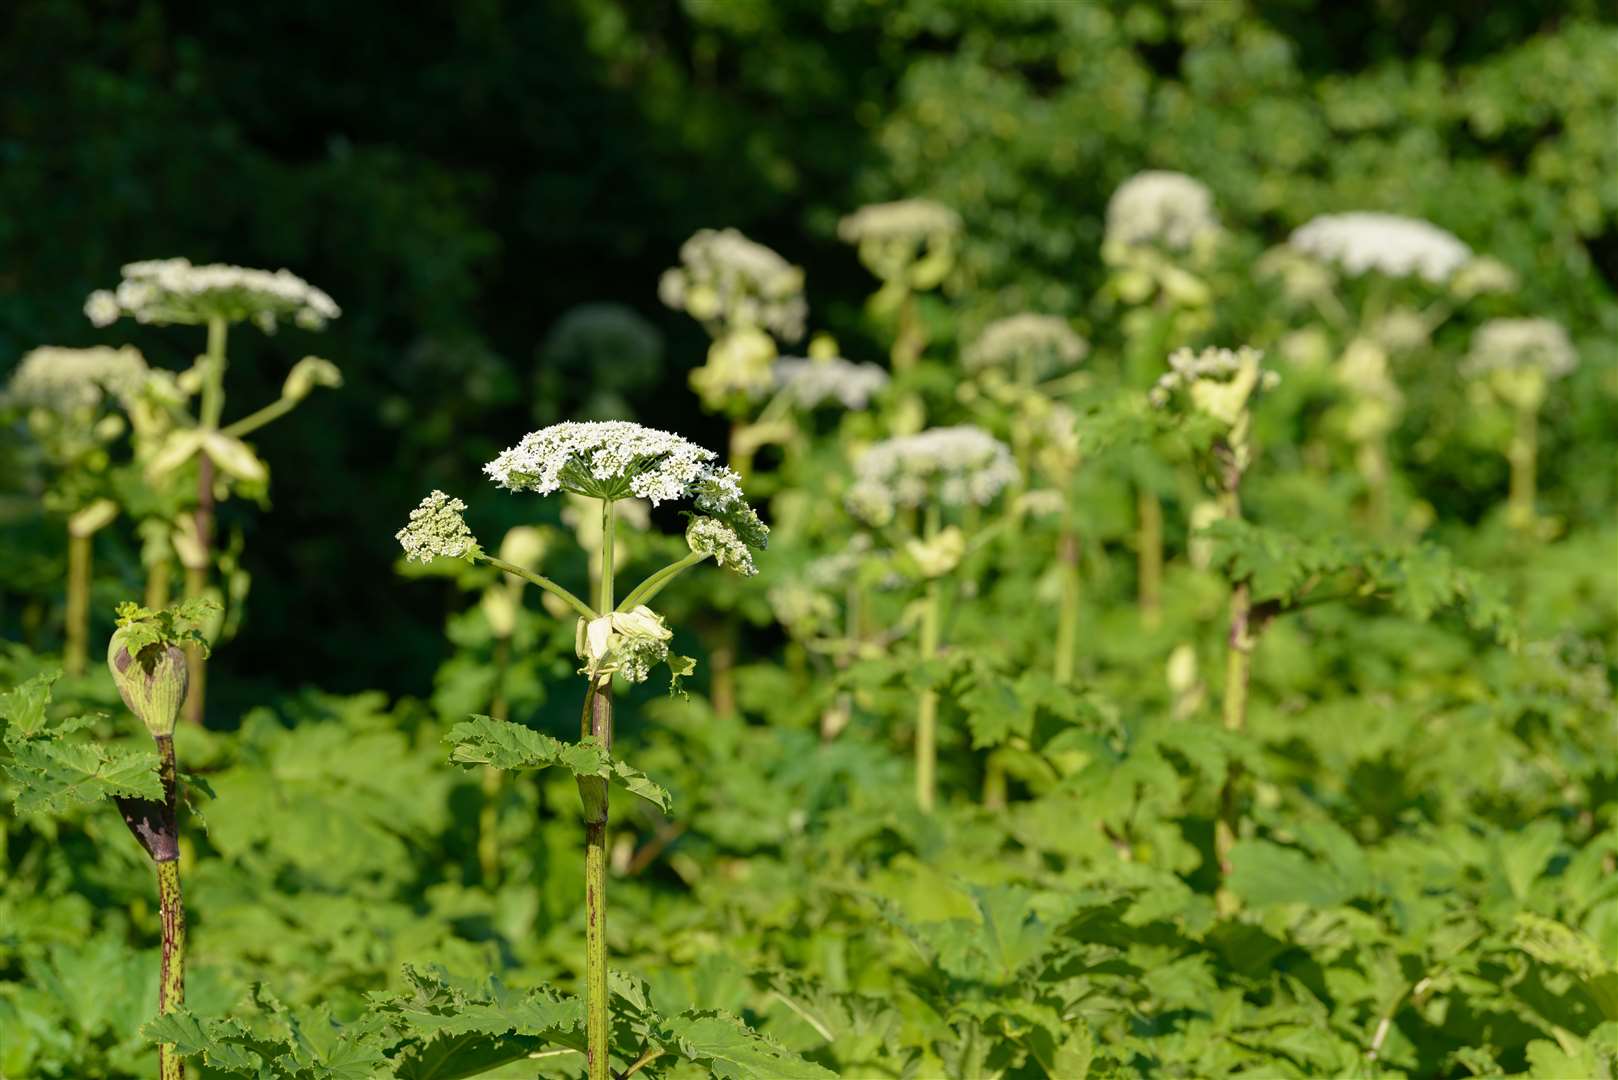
(483,740)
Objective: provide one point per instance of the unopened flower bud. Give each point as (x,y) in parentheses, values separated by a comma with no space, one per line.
(152,681)
(308,373)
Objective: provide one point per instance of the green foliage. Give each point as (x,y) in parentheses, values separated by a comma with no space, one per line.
(55,766)
(504,745)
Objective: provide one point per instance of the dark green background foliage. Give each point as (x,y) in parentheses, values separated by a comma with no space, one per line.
(456,176)
(1428,819)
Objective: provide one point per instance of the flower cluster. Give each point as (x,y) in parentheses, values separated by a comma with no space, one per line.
(710,536)
(954,466)
(437,530)
(1219,381)
(808,383)
(616,459)
(909,243)
(174,291)
(68,381)
(1513,344)
(1159,208)
(1393,245)
(630,643)
(726,281)
(1041,345)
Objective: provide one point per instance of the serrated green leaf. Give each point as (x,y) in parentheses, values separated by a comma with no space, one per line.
(482,740)
(53,776)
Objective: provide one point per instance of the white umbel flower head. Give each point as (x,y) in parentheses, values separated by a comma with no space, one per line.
(952,466)
(165,291)
(813,381)
(1516,344)
(1387,243)
(710,536)
(1040,345)
(1217,382)
(436,530)
(616,459)
(726,281)
(67,381)
(910,239)
(1159,208)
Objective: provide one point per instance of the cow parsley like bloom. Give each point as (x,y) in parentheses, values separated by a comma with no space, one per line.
(1386,243)
(913,220)
(1160,208)
(1041,345)
(726,281)
(436,530)
(809,383)
(1219,382)
(616,459)
(952,466)
(710,536)
(165,291)
(66,381)
(1517,344)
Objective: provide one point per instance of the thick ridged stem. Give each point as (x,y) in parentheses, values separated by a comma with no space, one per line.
(1238,668)
(1149,554)
(493,778)
(171,908)
(1524,455)
(158,576)
(75,649)
(927,705)
(593,795)
(196,583)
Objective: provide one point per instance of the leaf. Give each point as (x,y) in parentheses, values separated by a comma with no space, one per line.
(1263,874)
(729,1049)
(483,740)
(219,1043)
(23,707)
(53,777)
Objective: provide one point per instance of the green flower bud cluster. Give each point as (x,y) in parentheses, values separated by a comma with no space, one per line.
(146,656)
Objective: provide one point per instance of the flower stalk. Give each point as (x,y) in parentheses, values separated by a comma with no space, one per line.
(593,795)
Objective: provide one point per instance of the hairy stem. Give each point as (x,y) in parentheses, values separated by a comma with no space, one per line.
(171,907)
(75,649)
(1523,455)
(593,794)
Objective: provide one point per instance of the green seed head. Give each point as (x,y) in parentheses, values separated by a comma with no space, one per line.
(152,680)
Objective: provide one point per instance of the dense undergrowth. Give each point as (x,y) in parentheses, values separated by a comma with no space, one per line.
(1111,699)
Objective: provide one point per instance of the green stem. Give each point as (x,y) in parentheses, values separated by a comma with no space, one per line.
(1067,624)
(255,420)
(593,795)
(543,582)
(646,590)
(1149,553)
(171,907)
(1523,456)
(493,778)
(75,650)
(196,583)
(927,705)
(196,578)
(157,584)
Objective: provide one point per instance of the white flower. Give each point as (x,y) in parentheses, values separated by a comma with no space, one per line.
(726,281)
(436,530)
(915,220)
(1513,344)
(1040,344)
(174,291)
(630,643)
(1393,245)
(954,466)
(1219,382)
(616,459)
(710,536)
(1165,209)
(65,381)
(810,382)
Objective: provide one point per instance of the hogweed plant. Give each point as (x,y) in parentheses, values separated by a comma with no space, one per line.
(66,398)
(1162,234)
(607,462)
(910,246)
(1413,273)
(167,292)
(1515,361)
(940,472)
